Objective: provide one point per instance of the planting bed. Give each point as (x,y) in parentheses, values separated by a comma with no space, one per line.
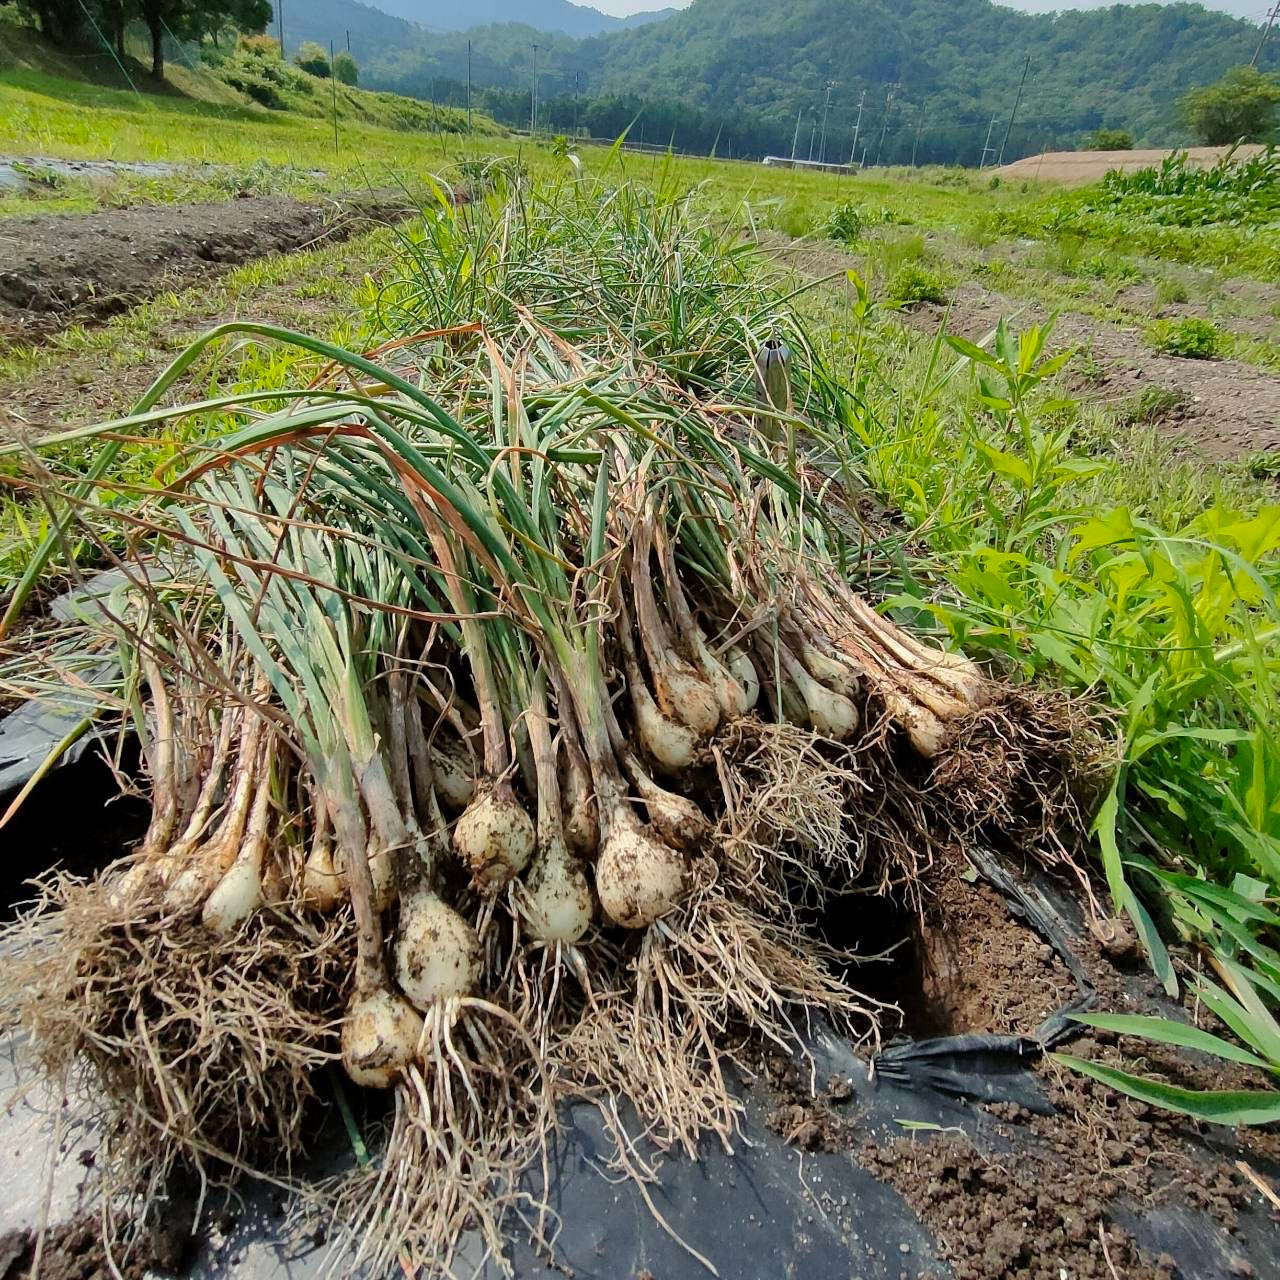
(63,269)
(1223,408)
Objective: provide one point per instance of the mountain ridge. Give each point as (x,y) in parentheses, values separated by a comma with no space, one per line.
(561,16)
(931,79)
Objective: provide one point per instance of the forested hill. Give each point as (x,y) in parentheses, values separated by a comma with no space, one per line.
(955,64)
(937,77)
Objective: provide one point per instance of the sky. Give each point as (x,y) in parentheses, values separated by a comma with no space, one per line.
(1254,9)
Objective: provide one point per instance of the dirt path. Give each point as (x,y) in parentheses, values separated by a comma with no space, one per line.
(56,270)
(1089,166)
(87,378)
(1223,408)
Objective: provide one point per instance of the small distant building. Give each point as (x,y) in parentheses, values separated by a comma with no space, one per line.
(786,162)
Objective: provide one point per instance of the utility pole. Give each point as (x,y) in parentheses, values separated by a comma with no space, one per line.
(575,104)
(857,127)
(826,108)
(916,145)
(468,86)
(333,89)
(813,133)
(1017,102)
(280,17)
(986,146)
(348,39)
(533,94)
(795,142)
(884,128)
(1266,31)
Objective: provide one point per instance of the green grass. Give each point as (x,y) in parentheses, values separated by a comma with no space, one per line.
(199,120)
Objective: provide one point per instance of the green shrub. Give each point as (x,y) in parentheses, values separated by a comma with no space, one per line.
(313,60)
(914,283)
(1110,267)
(1169,291)
(345,68)
(1152,404)
(1192,337)
(259,46)
(1109,140)
(844,223)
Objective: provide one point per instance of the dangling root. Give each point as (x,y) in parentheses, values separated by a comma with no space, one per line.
(662,1038)
(205,1049)
(472,1115)
(786,798)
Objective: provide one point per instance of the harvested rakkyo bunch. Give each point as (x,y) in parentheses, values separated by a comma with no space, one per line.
(507,713)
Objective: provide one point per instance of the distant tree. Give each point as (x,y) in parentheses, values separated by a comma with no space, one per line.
(1240,107)
(262,46)
(313,60)
(58,20)
(344,67)
(195,19)
(113,16)
(1109,140)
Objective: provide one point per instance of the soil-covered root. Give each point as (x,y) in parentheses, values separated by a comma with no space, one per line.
(716,970)
(1027,766)
(204,1048)
(472,1117)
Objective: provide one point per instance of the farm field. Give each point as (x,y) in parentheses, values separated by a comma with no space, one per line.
(469,404)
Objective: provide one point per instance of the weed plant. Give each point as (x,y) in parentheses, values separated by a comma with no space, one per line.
(1191,337)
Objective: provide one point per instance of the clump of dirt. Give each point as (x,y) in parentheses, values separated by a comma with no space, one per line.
(815,1125)
(1046,1204)
(69,268)
(1030,1196)
(976,972)
(1023,1218)
(72,1251)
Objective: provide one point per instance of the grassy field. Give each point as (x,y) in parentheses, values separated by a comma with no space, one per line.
(48,107)
(1059,536)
